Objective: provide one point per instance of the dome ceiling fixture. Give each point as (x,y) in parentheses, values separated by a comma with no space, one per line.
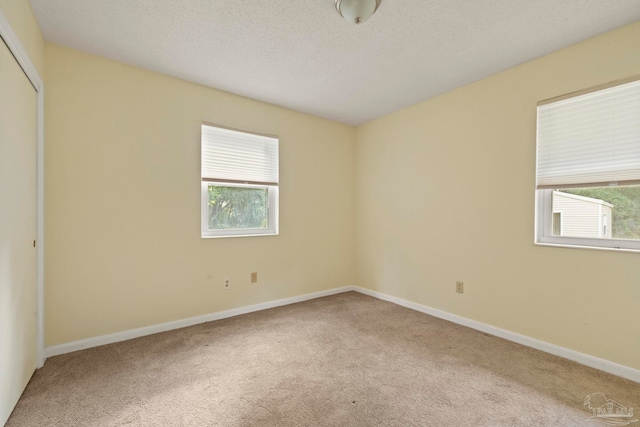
(357,11)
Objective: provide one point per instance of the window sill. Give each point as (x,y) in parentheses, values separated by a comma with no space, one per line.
(239,235)
(597,248)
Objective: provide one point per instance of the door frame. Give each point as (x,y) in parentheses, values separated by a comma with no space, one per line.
(11,39)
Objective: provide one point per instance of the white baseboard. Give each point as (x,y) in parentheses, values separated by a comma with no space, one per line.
(582,358)
(183,323)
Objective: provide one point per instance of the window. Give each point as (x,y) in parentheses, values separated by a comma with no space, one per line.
(557,223)
(239,183)
(588,168)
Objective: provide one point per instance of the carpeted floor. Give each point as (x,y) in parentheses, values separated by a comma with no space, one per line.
(344,360)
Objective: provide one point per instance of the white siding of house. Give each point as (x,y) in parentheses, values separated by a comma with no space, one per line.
(582,216)
(607,212)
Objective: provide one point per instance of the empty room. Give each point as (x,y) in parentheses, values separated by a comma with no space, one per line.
(319,213)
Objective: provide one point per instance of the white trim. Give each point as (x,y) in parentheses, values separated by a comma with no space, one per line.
(183,323)
(544,233)
(593,248)
(272,213)
(13,42)
(582,358)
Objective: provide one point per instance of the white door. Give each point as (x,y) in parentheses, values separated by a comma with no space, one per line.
(17,231)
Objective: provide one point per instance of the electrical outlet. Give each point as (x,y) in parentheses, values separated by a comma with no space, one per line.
(227,283)
(254,277)
(460,287)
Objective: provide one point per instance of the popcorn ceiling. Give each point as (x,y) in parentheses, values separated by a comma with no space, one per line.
(302,55)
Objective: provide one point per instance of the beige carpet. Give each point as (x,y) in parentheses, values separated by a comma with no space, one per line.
(344,360)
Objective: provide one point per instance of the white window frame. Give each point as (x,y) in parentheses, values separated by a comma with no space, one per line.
(272,213)
(544,205)
(544,230)
(272,228)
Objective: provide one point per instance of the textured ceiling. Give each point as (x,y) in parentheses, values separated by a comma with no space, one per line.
(302,55)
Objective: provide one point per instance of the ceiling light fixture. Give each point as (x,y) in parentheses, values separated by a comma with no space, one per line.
(357,11)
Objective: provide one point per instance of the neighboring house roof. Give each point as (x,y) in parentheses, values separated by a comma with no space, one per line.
(584,199)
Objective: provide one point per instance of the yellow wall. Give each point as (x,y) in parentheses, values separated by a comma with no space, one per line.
(445,192)
(123,201)
(24,24)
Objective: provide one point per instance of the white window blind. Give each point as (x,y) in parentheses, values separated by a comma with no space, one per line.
(238,157)
(590,140)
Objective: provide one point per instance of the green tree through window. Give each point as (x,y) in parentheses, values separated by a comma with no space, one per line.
(237,207)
